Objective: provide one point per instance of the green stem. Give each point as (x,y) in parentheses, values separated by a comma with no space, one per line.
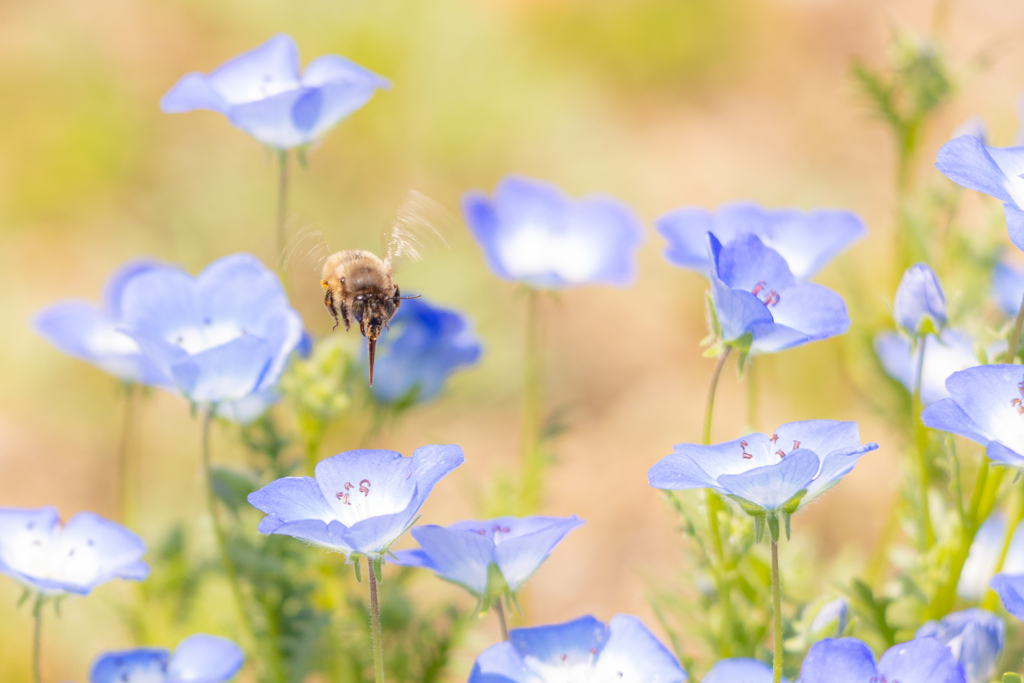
(218,527)
(501,618)
(921,441)
(1014,341)
(777,614)
(533,460)
(991,601)
(282,202)
(37,618)
(125,467)
(715,506)
(378,646)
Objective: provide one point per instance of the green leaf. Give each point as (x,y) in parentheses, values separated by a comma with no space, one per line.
(874,610)
(773,526)
(232,487)
(357,566)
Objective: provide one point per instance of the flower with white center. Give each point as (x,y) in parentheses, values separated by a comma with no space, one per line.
(579,651)
(359,502)
(530,231)
(91,333)
(945,354)
(922,660)
(807,240)
(767,475)
(263,93)
(491,557)
(974,636)
(54,558)
(200,658)
(986,405)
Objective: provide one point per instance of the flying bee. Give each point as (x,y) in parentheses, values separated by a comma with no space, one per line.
(359,284)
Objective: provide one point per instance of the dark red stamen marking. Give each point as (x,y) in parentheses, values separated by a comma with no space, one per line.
(364,487)
(775,437)
(796,445)
(780,453)
(758,287)
(773,298)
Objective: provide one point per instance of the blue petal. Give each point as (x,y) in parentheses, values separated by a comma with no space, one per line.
(291,499)
(821,436)
(461,556)
(815,311)
(519,556)
(834,467)
(947,416)
(336,70)
(204,659)
(696,466)
(633,655)
(226,372)
(1008,287)
(739,671)
(432,463)
(113,290)
(998,453)
(143,664)
(568,644)
(924,660)
(919,296)
(283,121)
(772,485)
(500,664)
(974,636)
(262,72)
(484,225)
(1010,588)
(329,535)
(745,263)
(21,529)
(160,303)
(953,352)
(1014,223)
(118,550)
(388,473)
(986,394)
(685,231)
(983,557)
(967,162)
(193,91)
(374,535)
(414,557)
(842,660)
(737,311)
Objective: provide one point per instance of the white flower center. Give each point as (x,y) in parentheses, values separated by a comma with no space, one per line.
(567,668)
(34,553)
(357,500)
(532,250)
(210,335)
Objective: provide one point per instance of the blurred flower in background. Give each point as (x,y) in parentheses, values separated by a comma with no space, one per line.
(359,502)
(807,240)
(759,306)
(943,355)
(533,232)
(579,650)
(924,660)
(53,558)
(974,636)
(739,670)
(426,344)
(197,659)
(919,299)
(831,619)
(224,335)
(983,557)
(93,333)
(1008,287)
(1010,589)
(263,93)
(465,552)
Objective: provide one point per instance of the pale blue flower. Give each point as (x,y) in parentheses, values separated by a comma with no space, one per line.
(54,558)
(1008,287)
(223,335)
(806,240)
(983,557)
(950,352)
(579,650)
(92,333)
(474,554)
(919,298)
(783,472)
(425,346)
(199,658)
(974,636)
(832,618)
(359,502)
(1010,588)
(263,93)
(848,660)
(740,670)
(530,231)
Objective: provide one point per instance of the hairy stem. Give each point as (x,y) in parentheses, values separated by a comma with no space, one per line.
(37,639)
(378,646)
(1014,341)
(921,441)
(777,614)
(126,473)
(282,203)
(501,618)
(532,454)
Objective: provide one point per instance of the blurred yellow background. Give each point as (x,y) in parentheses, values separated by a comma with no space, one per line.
(660,103)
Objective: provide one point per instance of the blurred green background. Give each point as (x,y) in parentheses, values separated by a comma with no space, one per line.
(660,103)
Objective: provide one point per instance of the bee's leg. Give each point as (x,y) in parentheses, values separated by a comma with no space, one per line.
(329,303)
(344,316)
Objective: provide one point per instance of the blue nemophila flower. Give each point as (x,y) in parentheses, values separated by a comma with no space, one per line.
(1008,287)
(359,502)
(985,406)
(832,618)
(263,93)
(1010,588)
(426,344)
(983,557)
(197,659)
(531,231)
(223,335)
(54,558)
(923,660)
(996,171)
(579,650)
(974,636)
(807,240)
(919,298)
(945,354)
(91,332)
(759,305)
(490,557)
(740,670)
(767,476)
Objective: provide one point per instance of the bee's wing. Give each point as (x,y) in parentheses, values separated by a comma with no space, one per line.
(306,252)
(421,224)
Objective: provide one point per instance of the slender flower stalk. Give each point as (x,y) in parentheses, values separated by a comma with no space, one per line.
(777,614)
(37,618)
(126,466)
(282,203)
(501,618)
(378,647)
(921,441)
(533,459)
